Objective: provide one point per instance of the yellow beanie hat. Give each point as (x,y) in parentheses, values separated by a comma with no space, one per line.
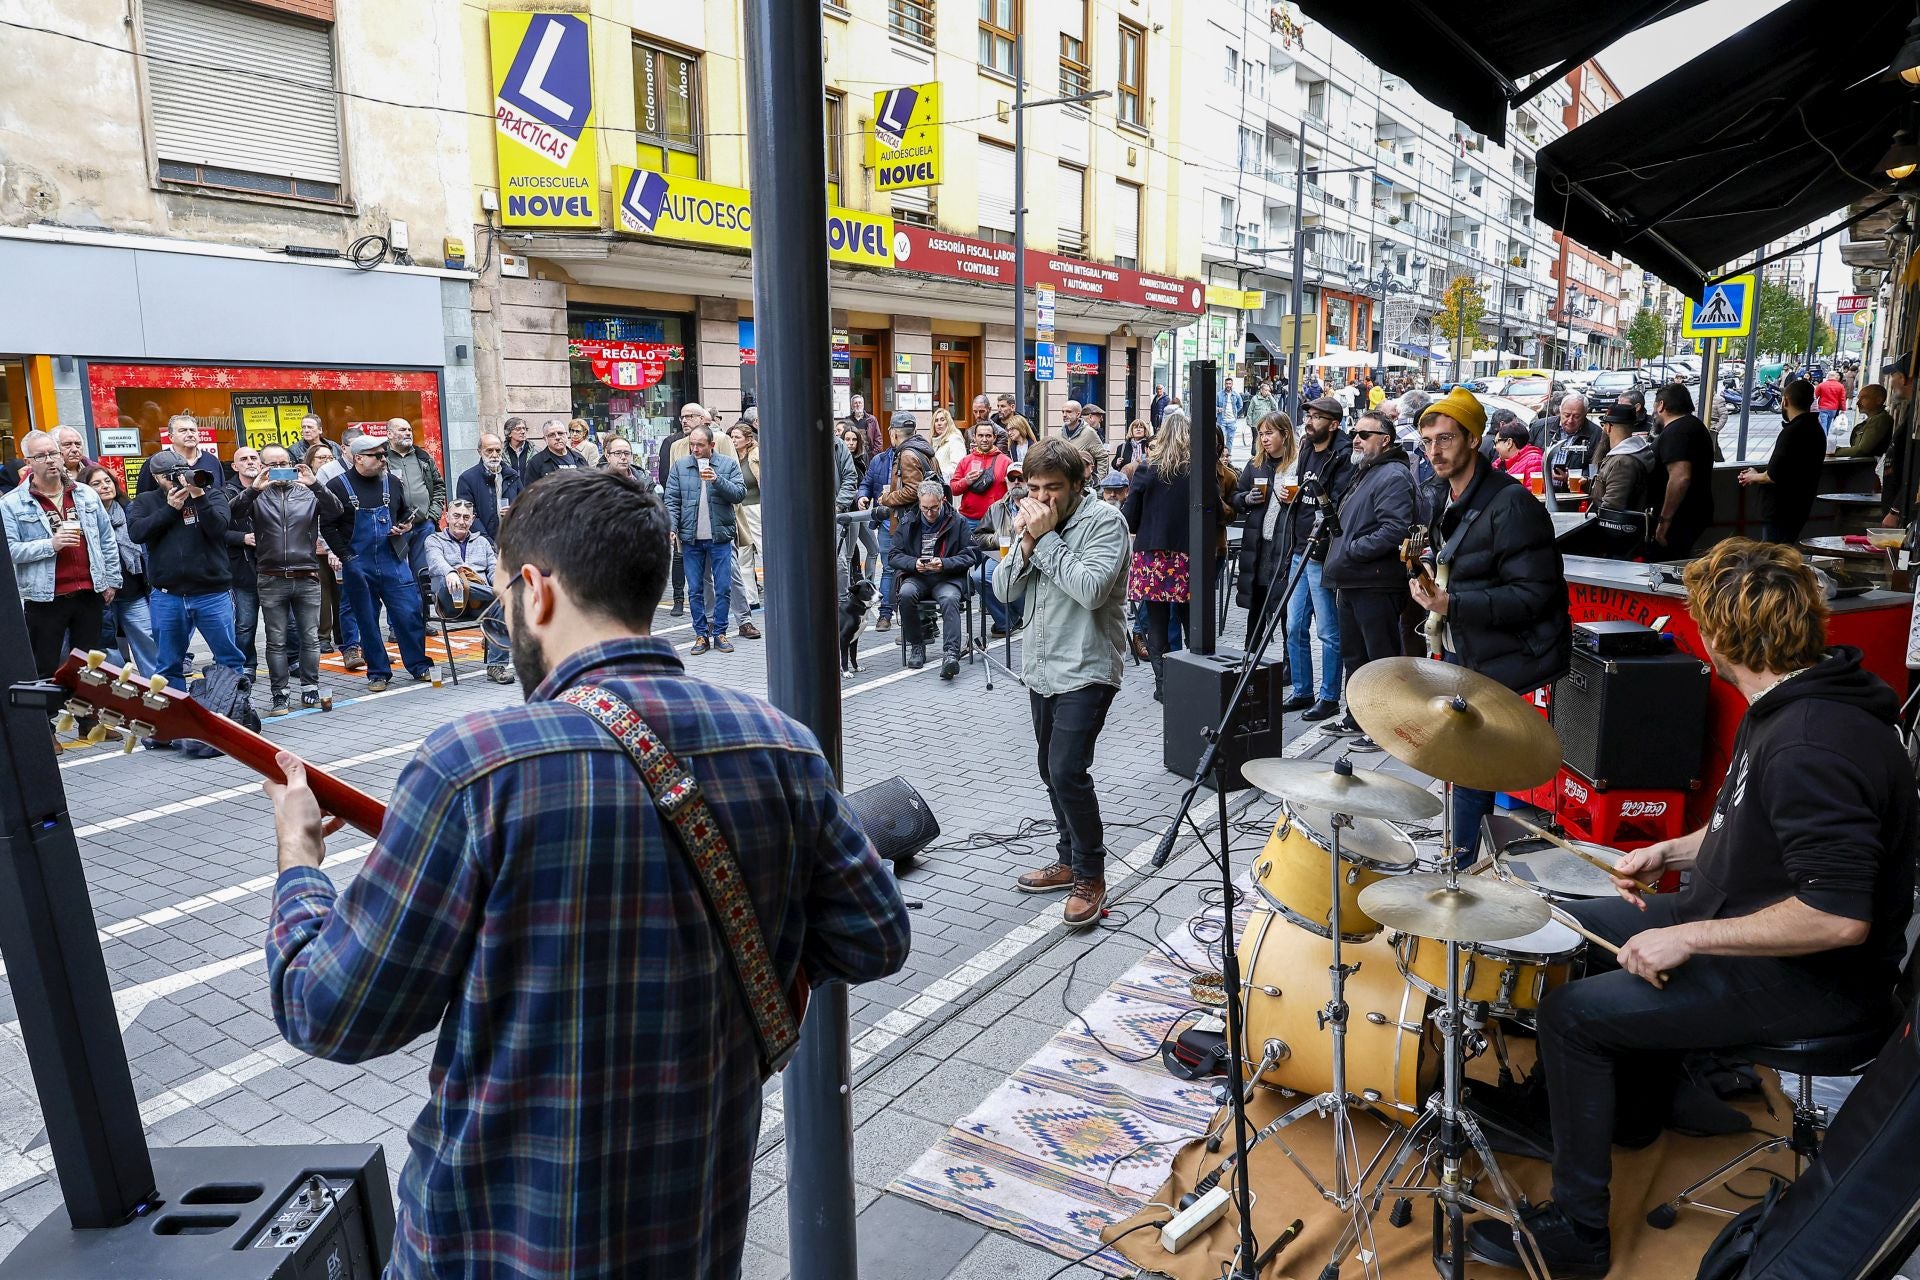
(1460,405)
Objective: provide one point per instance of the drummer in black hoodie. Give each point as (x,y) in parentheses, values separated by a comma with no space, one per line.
(1793,921)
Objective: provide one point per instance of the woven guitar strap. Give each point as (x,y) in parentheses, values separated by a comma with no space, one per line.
(676,794)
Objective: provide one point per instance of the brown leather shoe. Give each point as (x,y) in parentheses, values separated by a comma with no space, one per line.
(1049,879)
(700,646)
(747,631)
(1140,647)
(1084,903)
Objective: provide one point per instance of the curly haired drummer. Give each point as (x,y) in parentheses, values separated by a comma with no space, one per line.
(1792,920)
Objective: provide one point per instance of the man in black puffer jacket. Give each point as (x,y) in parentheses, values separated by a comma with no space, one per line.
(1363,563)
(931,554)
(1500,589)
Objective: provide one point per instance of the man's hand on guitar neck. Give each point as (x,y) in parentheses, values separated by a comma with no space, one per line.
(298,824)
(1430,595)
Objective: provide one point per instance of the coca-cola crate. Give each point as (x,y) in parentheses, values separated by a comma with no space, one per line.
(1623,819)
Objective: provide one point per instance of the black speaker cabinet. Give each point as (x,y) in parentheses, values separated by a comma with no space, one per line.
(1195,688)
(895,818)
(1633,723)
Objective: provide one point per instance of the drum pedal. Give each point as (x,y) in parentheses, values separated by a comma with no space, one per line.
(1401,1214)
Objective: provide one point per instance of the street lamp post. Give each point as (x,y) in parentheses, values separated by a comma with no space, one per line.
(1380,288)
(1300,232)
(1020,108)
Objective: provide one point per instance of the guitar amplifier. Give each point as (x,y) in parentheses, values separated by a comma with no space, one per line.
(1196,687)
(1633,722)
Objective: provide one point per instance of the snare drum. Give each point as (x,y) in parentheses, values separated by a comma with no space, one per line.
(1555,874)
(1511,978)
(1293,873)
(1286,991)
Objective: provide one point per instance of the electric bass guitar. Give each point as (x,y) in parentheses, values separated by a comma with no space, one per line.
(1413,554)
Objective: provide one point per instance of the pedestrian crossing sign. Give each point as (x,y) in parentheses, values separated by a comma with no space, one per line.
(1725,310)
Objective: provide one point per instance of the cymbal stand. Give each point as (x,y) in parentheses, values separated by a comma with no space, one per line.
(1457,1131)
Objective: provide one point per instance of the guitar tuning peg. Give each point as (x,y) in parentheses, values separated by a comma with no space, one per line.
(135,730)
(97,734)
(128,740)
(95,659)
(63,723)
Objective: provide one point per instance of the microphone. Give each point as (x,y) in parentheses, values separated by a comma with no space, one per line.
(1272,1251)
(1165,849)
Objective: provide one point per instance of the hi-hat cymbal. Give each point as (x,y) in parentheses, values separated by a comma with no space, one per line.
(1453,724)
(1358,793)
(1475,909)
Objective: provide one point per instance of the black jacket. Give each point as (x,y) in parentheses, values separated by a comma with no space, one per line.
(338,530)
(545,462)
(1374,519)
(1334,466)
(1256,552)
(673,438)
(1509,609)
(239,554)
(184,557)
(1818,804)
(1795,468)
(1159,511)
(518,458)
(476,486)
(956,550)
(285,520)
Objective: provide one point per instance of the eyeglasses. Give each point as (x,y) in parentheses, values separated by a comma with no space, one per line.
(1440,440)
(1358,432)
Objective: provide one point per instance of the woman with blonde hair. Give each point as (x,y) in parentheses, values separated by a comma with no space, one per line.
(1020,437)
(949,442)
(580,438)
(1275,445)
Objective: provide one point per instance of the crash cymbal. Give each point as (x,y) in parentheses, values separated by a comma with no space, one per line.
(1475,909)
(1340,788)
(1453,724)
(1370,838)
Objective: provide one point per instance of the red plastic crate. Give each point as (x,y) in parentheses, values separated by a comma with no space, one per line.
(1620,818)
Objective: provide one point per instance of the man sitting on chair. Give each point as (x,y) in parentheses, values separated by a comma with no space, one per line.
(1793,922)
(460,572)
(932,552)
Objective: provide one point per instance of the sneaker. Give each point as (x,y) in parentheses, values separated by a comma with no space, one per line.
(1299,702)
(377,684)
(1047,879)
(679,609)
(1345,724)
(499,674)
(721,645)
(310,696)
(280,705)
(700,646)
(916,656)
(885,623)
(1363,743)
(1566,1247)
(1320,711)
(997,631)
(351,659)
(423,676)
(949,667)
(748,631)
(1084,903)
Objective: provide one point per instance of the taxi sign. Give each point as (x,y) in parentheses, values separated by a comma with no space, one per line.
(1725,310)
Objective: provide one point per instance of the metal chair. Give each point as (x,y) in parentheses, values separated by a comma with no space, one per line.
(930,620)
(430,605)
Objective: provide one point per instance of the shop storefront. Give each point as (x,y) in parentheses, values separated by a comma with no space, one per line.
(252,404)
(1080,370)
(629,371)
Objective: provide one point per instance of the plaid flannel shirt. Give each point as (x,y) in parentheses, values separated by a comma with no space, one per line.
(595,1093)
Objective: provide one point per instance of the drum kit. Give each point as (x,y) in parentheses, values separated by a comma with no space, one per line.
(1425,963)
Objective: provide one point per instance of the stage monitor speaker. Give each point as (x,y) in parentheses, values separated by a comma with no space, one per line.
(1195,688)
(1635,723)
(234,1213)
(896,819)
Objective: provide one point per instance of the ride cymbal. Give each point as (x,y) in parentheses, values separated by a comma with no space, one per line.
(1474,909)
(1339,788)
(1453,724)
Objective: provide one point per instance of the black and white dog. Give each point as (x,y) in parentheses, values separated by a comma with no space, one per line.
(854,603)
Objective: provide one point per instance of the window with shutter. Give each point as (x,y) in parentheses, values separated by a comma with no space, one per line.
(1126,224)
(242,98)
(996,192)
(1073,209)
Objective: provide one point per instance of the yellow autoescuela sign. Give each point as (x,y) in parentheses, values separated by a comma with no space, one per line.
(665,206)
(543,120)
(903,147)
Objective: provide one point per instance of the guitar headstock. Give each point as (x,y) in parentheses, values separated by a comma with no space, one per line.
(123,701)
(1413,552)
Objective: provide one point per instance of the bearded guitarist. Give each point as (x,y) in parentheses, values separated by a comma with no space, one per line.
(1503,609)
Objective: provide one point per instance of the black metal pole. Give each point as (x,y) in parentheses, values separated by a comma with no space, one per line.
(1813,310)
(54,965)
(1202,501)
(1299,267)
(1753,351)
(787,99)
(1020,239)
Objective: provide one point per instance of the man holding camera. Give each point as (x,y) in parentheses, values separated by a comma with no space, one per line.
(285,506)
(183,450)
(182,520)
(370,536)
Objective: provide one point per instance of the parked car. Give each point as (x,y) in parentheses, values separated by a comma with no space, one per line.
(1609,383)
(1532,392)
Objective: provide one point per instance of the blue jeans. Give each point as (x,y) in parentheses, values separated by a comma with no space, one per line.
(176,617)
(1826,419)
(1470,810)
(885,541)
(1005,616)
(700,557)
(133,621)
(246,623)
(1313,602)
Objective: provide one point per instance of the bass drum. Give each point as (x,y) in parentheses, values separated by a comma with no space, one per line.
(1286,991)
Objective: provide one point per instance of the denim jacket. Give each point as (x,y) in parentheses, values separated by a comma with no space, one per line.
(30,538)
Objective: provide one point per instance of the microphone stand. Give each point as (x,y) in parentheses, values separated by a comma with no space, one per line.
(1325,525)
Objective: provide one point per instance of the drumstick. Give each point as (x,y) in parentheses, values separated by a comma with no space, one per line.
(1585,857)
(1598,941)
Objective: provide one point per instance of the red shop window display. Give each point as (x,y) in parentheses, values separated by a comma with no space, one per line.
(259,405)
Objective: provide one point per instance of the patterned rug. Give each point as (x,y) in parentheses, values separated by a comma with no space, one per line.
(1059,1151)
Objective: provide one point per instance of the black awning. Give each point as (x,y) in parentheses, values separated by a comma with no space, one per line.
(1773,128)
(1468,55)
(1268,336)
